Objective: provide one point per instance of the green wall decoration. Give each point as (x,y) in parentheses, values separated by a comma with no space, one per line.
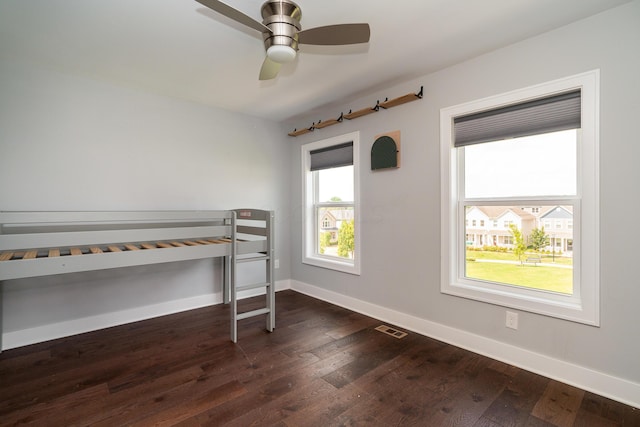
(385,152)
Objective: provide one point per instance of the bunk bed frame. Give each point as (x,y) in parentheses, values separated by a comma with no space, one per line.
(34,244)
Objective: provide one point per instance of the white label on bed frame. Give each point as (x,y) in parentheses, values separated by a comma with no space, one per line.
(244,214)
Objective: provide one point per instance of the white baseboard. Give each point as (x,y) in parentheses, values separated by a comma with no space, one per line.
(68,328)
(93,323)
(600,383)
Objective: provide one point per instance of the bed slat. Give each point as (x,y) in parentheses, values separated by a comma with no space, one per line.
(30,255)
(54,252)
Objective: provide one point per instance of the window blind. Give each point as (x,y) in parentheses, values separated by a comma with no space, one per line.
(332,157)
(549,114)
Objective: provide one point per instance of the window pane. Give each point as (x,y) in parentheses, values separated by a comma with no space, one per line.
(540,165)
(335,185)
(335,231)
(516,249)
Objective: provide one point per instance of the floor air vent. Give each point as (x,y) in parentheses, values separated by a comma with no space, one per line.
(390,331)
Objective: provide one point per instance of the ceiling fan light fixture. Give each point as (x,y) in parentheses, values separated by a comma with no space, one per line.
(281,54)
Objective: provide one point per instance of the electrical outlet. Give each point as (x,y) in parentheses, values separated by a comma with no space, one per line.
(276,264)
(512,320)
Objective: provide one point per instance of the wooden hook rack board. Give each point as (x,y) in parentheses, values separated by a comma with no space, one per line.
(360,113)
(388,103)
(323,124)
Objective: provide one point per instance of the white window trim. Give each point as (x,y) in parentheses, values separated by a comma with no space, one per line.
(584,305)
(309,255)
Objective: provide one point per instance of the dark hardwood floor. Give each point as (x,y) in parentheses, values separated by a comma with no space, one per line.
(322,366)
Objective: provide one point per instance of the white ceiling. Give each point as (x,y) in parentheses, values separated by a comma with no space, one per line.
(181,49)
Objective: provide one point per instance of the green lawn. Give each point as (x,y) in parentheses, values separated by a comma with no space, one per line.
(509,256)
(538,277)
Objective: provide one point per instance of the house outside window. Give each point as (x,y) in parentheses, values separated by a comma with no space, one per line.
(331,234)
(545,139)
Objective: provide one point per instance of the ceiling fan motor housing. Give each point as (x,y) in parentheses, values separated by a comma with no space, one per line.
(283,18)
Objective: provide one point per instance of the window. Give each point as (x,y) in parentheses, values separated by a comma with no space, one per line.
(545,140)
(331,194)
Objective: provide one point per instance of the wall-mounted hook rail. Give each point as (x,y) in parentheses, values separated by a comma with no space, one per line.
(329,122)
(302,131)
(363,112)
(402,99)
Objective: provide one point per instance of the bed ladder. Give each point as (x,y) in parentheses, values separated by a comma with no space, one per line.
(232,288)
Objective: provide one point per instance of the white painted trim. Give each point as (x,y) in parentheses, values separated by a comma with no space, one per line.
(597,382)
(584,305)
(68,328)
(308,222)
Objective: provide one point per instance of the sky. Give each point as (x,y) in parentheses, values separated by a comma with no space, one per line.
(539,165)
(336,182)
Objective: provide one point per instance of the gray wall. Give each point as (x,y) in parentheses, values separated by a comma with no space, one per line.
(401,208)
(71,143)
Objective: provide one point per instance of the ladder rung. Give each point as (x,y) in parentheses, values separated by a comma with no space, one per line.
(251,259)
(252,313)
(252,286)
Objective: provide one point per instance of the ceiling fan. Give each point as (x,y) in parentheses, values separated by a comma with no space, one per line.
(282,32)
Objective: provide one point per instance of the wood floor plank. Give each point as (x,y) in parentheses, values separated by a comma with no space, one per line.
(127,401)
(57,411)
(184,403)
(322,366)
(559,404)
(514,405)
(6,256)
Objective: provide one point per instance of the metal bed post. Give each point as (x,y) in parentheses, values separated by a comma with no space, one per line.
(271,289)
(233,278)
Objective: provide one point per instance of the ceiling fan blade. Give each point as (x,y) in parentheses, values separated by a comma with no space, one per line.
(234,14)
(335,34)
(269,69)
